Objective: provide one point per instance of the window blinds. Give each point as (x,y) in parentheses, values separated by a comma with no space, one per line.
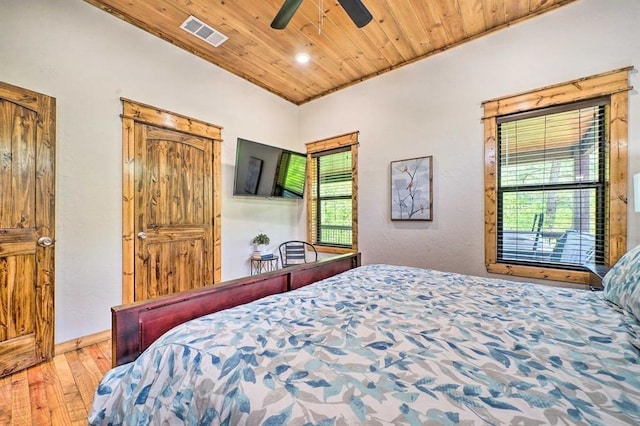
(332,187)
(551,185)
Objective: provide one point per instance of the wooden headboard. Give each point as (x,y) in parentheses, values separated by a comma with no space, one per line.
(135,326)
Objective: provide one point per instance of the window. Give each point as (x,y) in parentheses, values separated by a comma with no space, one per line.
(551,186)
(555,179)
(332,194)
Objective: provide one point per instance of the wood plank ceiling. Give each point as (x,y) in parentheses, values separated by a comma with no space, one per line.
(401,32)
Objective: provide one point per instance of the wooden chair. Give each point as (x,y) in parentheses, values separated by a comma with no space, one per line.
(297,252)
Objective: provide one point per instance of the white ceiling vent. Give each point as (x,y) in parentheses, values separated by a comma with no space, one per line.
(203,31)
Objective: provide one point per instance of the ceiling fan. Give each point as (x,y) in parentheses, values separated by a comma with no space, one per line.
(354,8)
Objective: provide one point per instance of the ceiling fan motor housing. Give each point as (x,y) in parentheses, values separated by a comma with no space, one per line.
(356,10)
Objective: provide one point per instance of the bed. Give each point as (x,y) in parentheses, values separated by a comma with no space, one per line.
(386,344)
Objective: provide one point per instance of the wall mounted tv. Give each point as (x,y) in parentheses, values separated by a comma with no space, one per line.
(267,171)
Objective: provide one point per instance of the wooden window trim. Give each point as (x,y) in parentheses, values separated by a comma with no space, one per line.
(329,144)
(613,84)
(135,112)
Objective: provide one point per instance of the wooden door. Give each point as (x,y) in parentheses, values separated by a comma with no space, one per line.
(27,159)
(174,210)
(175,198)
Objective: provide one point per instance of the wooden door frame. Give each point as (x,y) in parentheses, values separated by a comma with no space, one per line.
(135,112)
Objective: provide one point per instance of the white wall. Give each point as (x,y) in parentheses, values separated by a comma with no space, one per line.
(87,60)
(433,107)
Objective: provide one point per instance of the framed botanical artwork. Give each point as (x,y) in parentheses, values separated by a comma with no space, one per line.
(253,176)
(411,189)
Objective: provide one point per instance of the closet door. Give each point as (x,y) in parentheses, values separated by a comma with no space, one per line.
(27,159)
(174,212)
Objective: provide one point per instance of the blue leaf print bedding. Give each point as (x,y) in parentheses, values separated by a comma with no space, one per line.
(385,344)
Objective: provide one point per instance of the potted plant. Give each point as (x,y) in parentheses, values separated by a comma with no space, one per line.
(260,242)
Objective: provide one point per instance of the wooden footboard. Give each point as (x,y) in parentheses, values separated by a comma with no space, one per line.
(137,325)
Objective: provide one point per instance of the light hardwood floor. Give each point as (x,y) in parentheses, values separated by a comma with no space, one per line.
(58,392)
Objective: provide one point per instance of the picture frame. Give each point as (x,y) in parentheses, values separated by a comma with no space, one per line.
(253,175)
(412,189)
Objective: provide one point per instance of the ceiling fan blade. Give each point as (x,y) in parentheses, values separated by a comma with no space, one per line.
(357,11)
(285,14)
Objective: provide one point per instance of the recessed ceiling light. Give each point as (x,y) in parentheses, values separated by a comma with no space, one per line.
(302,58)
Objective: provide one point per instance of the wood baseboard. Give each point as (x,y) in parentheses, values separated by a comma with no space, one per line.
(81,342)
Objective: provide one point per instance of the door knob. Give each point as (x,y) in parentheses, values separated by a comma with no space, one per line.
(142,235)
(45,241)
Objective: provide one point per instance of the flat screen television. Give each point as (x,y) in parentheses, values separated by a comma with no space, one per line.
(268,171)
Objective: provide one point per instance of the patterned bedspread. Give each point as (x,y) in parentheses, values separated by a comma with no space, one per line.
(385,344)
